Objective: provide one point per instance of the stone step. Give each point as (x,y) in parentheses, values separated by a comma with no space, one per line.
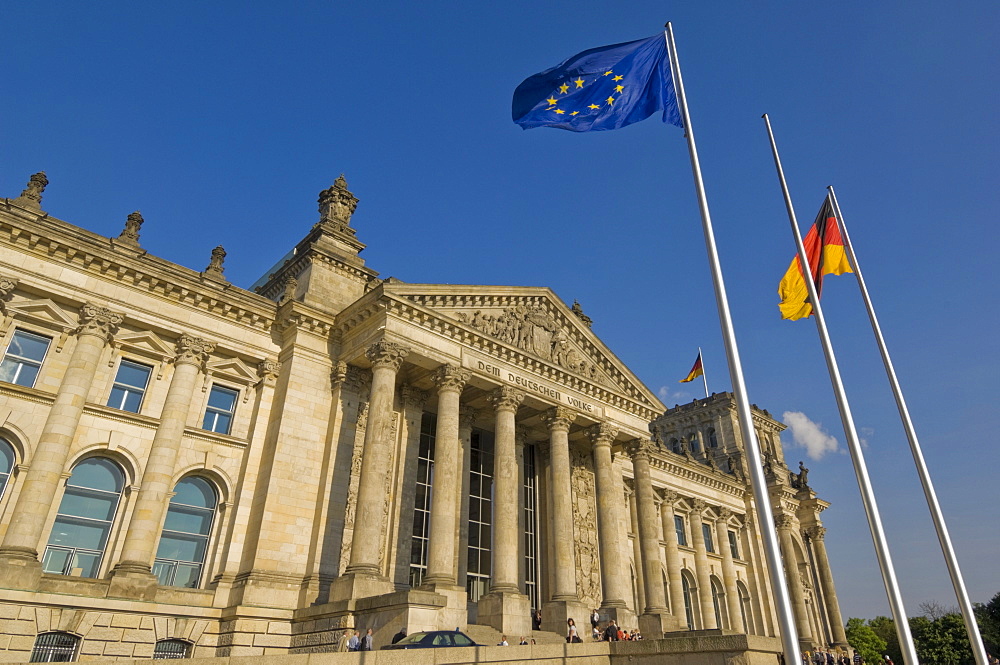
(490,636)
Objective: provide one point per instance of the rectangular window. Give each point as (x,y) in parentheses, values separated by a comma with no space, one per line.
(422,500)
(130,386)
(706,531)
(531,529)
(733,547)
(219,413)
(23,359)
(679,527)
(480,551)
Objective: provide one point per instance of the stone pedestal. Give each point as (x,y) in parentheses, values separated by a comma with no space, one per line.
(508,612)
(623,616)
(134,584)
(351,586)
(20,570)
(653,626)
(556,612)
(455,611)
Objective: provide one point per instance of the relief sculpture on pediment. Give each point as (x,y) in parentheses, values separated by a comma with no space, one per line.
(535,330)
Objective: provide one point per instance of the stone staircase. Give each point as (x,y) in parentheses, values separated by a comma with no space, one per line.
(490,636)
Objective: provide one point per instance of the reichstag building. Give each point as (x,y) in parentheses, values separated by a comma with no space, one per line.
(191,468)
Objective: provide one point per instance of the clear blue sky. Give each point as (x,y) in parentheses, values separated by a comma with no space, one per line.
(221,121)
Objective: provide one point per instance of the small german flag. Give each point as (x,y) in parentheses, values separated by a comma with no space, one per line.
(696,371)
(825,251)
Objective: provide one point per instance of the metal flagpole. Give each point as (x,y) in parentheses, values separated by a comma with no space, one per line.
(911,435)
(704,376)
(786,619)
(853,443)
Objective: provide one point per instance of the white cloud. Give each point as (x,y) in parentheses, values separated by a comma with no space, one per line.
(671,397)
(809,435)
(865,434)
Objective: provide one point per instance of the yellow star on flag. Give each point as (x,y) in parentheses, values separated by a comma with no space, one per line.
(618,78)
(593,106)
(552,100)
(574,112)
(560,111)
(579,83)
(611,100)
(564,88)
(608,73)
(619,88)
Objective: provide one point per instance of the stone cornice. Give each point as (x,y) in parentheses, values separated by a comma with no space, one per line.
(702,411)
(379,300)
(698,473)
(43,236)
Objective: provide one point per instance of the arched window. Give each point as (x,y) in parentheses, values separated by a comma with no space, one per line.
(81,530)
(54,648)
(746,609)
(687,588)
(713,440)
(719,602)
(675,446)
(180,556)
(694,443)
(6,464)
(171,649)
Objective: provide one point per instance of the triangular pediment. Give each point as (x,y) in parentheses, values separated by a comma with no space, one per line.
(145,343)
(43,311)
(536,322)
(233,369)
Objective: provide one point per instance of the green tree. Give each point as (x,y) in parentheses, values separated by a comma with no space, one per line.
(988,618)
(942,641)
(885,628)
(863,639)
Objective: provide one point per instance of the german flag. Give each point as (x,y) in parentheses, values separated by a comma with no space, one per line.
(695,372)
(825,251)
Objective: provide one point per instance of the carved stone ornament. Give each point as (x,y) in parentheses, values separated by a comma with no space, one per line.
(698,507)
(576,309)
(558,418)
(413,397)
(725,514)
(506,398)
(7,286)
(670,497)
(466,417)
(289,293)
(100,321)
(268,371)
(193,350)
(784,521)
(130,235)
(535,330)
(338,374)
(31,196)
(387,354)
(215,264)
(449,377)
(816,532)
(359,380)
(640,448)
(602,434)
(337,205)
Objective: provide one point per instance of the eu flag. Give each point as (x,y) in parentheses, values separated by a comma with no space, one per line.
(604,88)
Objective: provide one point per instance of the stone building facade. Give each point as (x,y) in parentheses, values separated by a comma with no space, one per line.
(189,467)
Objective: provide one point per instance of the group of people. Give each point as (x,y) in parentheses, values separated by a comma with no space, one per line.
(823,656)
(355,641)
(524,641)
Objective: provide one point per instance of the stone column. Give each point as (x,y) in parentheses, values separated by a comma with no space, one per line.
(654,616)
(673,560)
(565,603)
(19,565)
(447,480)
(143,531)
(785,524)
(701,566)
(505,607)
(386,358)
(608,504)
(728,570)
(817,534)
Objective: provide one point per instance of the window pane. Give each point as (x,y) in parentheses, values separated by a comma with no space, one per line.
(72,533)
(187,575)
(163,571)
(97,473)
(188,520)
(26,345)
(84,503)
(194,492)
(222,398)
(6,457)
(133,375)
(54,560)
(25,377)
(222,422)
(87,562)
(181,548)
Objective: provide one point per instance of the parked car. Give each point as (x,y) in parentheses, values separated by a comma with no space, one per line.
(432,639)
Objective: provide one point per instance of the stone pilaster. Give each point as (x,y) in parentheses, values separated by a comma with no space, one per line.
(505,607)
(785,524)
(728,569)
(608,504)
(673,560)
(19,565)
(450,382)
(817,535)
(701,566)
(132,577)
(364,575)
(654,616)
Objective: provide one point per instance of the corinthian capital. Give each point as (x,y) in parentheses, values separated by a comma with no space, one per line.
(816,532)
(784,521)
(640,448)
(192,350)
(724,514)
(698,507)
(268,371)
(506,398)
(387,354)
(558,418)
(602,434)
(7,286)
(670,496)
(99,321)
(449,377)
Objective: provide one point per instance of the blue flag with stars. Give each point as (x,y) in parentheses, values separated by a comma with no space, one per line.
(604,88)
